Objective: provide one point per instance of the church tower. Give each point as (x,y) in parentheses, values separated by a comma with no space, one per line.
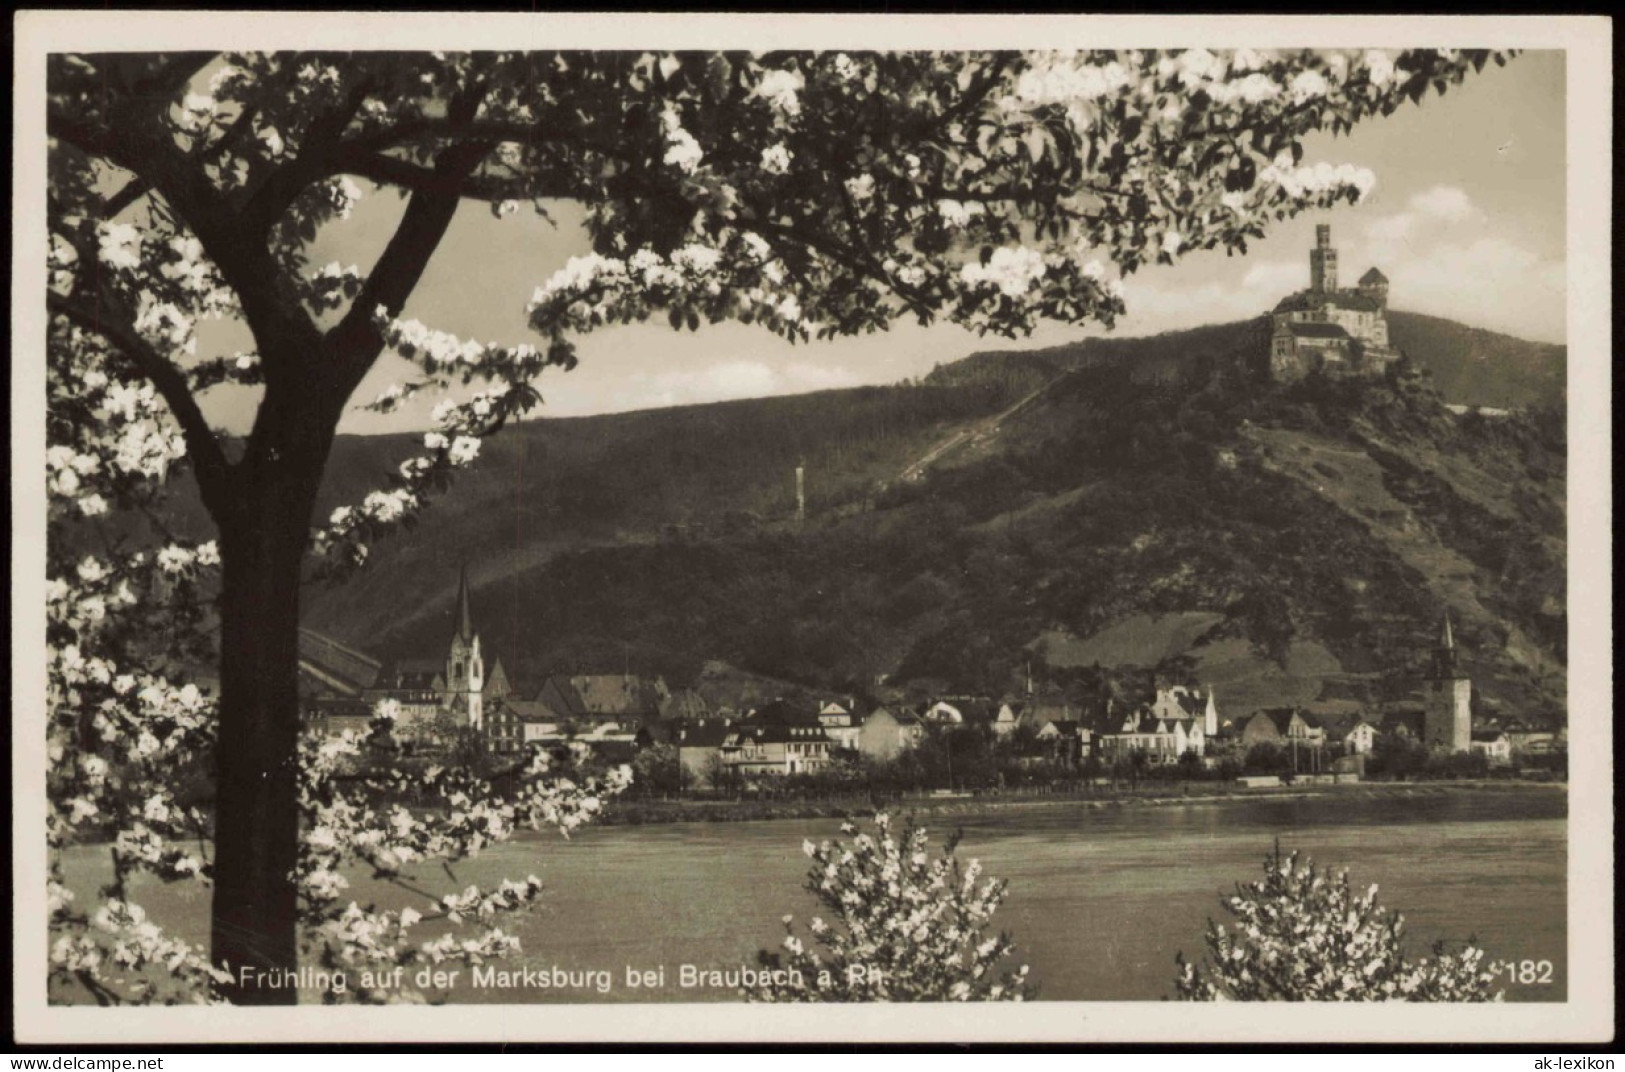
(465,667)
(1323,261)
(1447,698)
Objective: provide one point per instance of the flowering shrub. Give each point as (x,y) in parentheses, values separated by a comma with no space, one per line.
(1304,935)
(346,825)
(907,926)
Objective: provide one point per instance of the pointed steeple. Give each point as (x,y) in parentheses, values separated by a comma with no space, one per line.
(1444,656)
(465,620)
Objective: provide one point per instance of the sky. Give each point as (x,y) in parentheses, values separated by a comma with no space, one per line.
(1467,221)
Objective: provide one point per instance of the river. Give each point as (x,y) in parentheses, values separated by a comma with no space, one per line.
(1100,899)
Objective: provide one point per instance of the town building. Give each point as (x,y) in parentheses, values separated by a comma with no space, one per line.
(714,751)
(1037,708)
(1403,721)
(840,724)
(701,745)
(1178,719)
(512,724)
(1067,741)
(1280,725)
(1331,329)
(887,732)
(1529,737)
(1179,703)
(337,715)
(607,741)
(1494,745)
(1447,695)
(778,748)
(418,686)
(627,699)
(1008,717)
(1349,733)
(1153,738)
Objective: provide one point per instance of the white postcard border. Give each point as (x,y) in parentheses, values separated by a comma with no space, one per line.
(1586,1016)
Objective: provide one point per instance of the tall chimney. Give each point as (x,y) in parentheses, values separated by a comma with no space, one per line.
(801,491)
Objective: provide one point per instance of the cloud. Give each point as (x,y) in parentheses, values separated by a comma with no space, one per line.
(1444,202)
(1425,216)
(1158,301)
(1441,259)
(1486,282)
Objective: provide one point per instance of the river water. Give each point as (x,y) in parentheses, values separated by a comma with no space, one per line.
(1100,901)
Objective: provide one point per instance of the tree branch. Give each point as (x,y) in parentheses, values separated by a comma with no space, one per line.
(367,156)
(355,342)
(394,171)
(315,161)
(246,265)
(128,194)
(208,460)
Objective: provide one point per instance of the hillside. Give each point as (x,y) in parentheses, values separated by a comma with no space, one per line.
(1126,503)
(691,473)
(1469,366)
(1284,545)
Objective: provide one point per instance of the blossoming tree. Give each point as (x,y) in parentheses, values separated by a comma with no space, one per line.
(1302,934)
(908,926)
(818,194)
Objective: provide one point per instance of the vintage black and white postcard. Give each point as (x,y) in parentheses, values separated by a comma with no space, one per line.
(1004,528)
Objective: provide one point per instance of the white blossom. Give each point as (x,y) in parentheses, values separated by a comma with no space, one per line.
(1307,86)
(119,246)
(1379,66)
(1013,270)
(956,215)
(776,159)
(783,90)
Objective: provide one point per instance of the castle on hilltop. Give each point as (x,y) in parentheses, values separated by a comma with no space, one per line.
(1330,329)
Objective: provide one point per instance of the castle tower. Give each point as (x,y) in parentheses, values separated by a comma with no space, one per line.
(1374,285)
(465,667)
(1447,698)
(1323,261)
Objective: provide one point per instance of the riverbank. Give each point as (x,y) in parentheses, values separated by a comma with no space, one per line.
(644,812)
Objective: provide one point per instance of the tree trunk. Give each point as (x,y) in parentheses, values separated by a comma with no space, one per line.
(253,928)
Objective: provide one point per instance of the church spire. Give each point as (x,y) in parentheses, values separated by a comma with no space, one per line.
(1444,655)
(465,620)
